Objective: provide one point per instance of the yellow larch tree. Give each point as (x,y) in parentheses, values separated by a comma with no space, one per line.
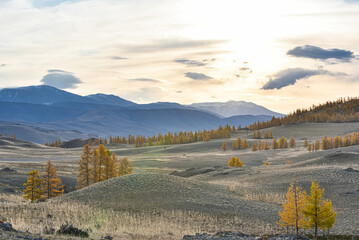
(292,142)
(102,156)
(114,166)
(320,212)
(125,167)
(254,147)
(235,162)
(84,170)
(266,145)
(94,169)
(33,191)
(245,144)
(224,146)
(292,214)
(51,184)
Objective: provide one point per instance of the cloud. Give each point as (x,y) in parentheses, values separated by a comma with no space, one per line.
(2,65)
(351,1)
(190,63)
(194,63)
(144,80)
(292,75)
(58,71)
(165,45)
(60,79)
(118,58)
(318,53)
(51,3)
(198,76)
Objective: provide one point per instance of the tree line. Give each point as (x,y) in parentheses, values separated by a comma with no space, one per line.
(334,142)
(13,136)
(341,110)
(47,187)
(275,144)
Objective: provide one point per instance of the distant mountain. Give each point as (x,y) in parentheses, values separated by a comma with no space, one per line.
(111,100)
(44,113)
(42,94)
(232,108)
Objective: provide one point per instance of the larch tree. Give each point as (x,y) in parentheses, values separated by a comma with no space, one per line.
(292,214)
(114,166)
(125,167)
(274,144)
(235,162)
(245,144)
(51,184)
(319,212)
(85,168)
(101,156)
(33,191)
(224,146)
(266,145)
(260,146)
(94,169)
(254,147)
(292,142)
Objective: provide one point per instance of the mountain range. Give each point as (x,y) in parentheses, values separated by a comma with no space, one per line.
(44,113)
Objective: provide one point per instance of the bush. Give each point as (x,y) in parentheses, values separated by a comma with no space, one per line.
(69,229)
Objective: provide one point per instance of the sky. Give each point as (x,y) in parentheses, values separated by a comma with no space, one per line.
(281,54)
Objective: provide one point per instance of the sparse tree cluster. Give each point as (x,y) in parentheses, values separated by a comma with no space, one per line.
(235,162)
(13,136)
(342,110)
(56,143)
(239,144)
(307,211)
(100,164)
(334,142)
(47,187)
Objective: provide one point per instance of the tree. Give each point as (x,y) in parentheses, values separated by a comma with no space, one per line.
(260,146)
(274,144)
(319,212)
(305,142)
(224,146)
(125,167)
(245,144)
(292,142)
(102,157)
(254,147)
(84,171)
(94,169)
(309,147)
(292,214)
(266,145)
(266,163)
(283,142)
(114,166)
(235,162)
(33,191)
(51,184)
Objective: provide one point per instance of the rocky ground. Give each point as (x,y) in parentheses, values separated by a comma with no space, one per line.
(241,236)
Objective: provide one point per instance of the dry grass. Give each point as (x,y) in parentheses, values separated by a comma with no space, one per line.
(35,217)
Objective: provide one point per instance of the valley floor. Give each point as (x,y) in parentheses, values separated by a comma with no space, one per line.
(183,189)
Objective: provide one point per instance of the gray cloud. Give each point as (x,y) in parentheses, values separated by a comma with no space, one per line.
(51,3)
(198,76)
(190,63)
(173,44)
(118,58)
(60,79)
(194,63)
(292,75)
(318,53)
(58,71)
(144,80)
(2,65)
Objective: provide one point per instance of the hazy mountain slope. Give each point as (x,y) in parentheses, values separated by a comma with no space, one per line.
(111,100)
(232,108)
(38,134)
(41,94)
